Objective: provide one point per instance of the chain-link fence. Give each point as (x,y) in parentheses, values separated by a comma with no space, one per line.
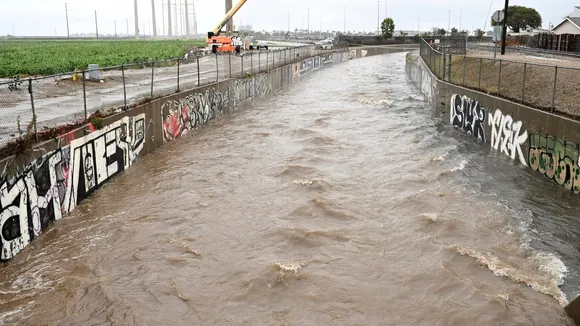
(546,87)
(42,108)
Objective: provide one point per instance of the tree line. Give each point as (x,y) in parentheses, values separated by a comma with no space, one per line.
(519,18)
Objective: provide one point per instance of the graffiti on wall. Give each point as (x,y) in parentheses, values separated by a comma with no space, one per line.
(507,135)
(192,111)
(426,84)
(33,198)
(468,115)
(257,87)
(556,159)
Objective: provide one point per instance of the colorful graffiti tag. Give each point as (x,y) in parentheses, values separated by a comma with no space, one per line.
(555,159)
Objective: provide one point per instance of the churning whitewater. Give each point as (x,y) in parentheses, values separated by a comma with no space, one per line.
(340,200)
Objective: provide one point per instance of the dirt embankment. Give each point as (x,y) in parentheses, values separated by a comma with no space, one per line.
(524,79)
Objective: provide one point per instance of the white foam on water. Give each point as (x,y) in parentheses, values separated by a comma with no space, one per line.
(429,217)
(304,182)
(549,276)
(292,266)
(460,167)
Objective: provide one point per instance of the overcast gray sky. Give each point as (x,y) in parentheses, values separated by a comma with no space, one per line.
(41,17)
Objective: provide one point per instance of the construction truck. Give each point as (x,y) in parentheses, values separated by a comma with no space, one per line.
(225,44)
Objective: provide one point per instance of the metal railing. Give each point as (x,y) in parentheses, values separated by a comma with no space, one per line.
(40,108)
(546,87)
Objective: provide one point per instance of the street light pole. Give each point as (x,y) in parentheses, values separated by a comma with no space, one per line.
(504,30)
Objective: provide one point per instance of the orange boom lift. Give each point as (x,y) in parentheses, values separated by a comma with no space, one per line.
(223,43)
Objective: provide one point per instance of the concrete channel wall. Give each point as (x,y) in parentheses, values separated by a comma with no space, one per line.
(43,184)
(544,142)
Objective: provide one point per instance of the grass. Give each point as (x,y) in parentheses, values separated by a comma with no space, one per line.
(536,90)
(48,57)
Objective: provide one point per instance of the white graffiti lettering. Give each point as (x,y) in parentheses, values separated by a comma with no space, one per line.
(507,135)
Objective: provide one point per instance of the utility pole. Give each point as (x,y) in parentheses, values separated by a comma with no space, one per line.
(230,23)
(308,24)
(115,29)
(127,27)
(460,16)
(386,9)
(379,18)
(187,31)
(169,18)
(195,18)
(449,23)
(153,14)
(96,25)
(14,30)
(66,12)
(504,30)
(180,14)
(345,20)
(175,18)
(163,17)
(136,21)
(55,35)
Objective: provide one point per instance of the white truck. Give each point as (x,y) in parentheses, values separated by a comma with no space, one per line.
(324,44)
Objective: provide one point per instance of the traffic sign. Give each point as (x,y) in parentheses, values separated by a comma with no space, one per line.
(498,16)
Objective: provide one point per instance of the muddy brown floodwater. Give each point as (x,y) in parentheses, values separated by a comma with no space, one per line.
(340,200)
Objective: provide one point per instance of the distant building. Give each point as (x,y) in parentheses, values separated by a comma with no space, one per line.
(570,24)
(247,28)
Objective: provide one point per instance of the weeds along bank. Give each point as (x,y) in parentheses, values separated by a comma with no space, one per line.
(544,142)
(43,184)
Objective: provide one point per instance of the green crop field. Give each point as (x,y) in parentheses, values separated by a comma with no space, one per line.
(48,57)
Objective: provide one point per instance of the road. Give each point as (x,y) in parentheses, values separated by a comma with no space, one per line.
(60,101)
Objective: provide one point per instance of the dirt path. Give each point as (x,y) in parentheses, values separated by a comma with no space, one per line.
(523,78)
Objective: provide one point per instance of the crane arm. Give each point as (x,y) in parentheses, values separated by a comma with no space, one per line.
(228,16)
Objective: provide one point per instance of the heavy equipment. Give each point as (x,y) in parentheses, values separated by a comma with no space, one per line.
(221,43)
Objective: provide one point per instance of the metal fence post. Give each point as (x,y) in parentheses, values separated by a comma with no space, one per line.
(178,63)
(449,68)
(217,68)
(524,83)
(84,96)
(198,77)
(33,109)
(285,61)
(230,63)
(259,61)
(499,78)
(152,74)
(444,65)
(480,67)
(554,87)
(242,57)
(252,63)
(464,68)
(124,87)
